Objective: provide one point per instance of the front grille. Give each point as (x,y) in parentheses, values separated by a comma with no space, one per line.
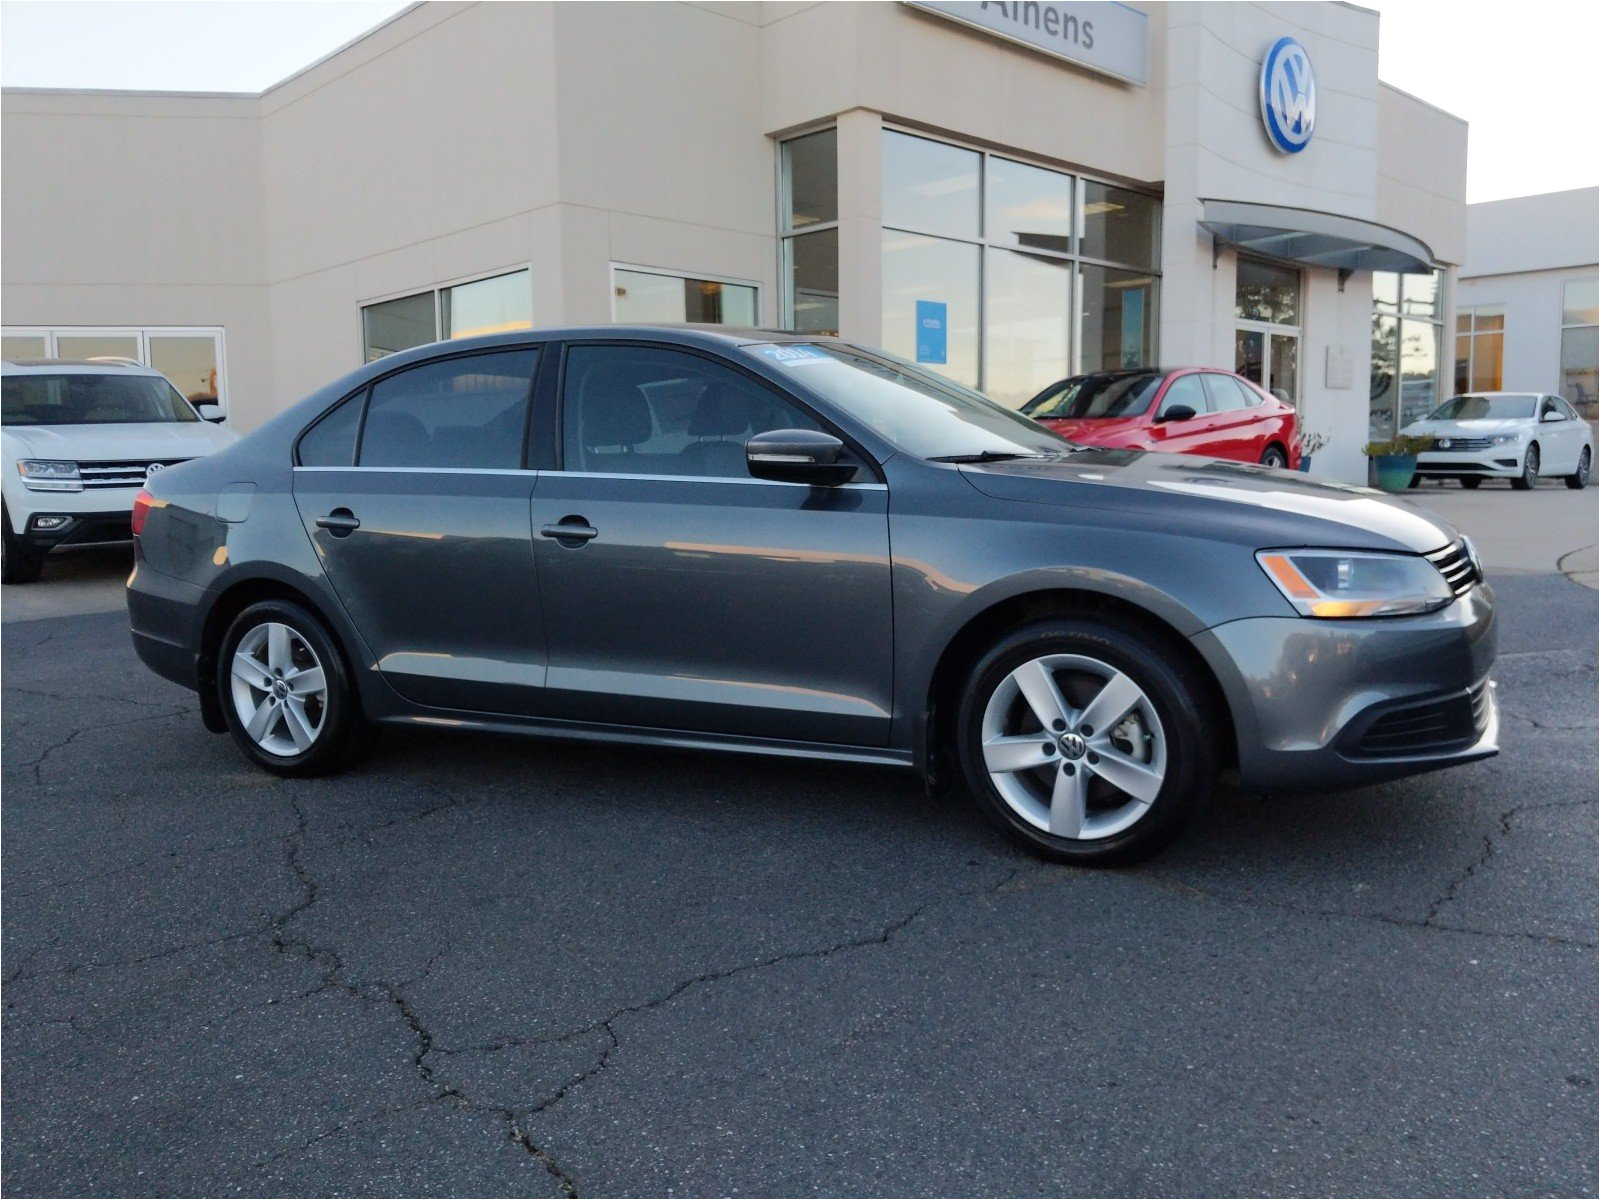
(1456,565)
(131,473)
(1462,443)
(1450,466)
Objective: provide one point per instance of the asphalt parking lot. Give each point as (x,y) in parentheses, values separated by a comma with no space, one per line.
(489,966)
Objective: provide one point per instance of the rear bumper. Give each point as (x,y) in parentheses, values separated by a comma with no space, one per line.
(165,617)
(1321,704)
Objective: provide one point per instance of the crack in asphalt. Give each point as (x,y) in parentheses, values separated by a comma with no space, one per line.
(36,764)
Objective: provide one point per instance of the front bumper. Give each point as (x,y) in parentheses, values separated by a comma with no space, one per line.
(47,530)
(1496,462)
(1341,703)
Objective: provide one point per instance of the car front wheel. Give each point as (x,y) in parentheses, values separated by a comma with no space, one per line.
(287,698)
(1470,481)
(19,562)
(1529,479)
(1086,741)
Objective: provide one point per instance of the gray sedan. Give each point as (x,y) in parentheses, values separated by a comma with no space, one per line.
(785,545)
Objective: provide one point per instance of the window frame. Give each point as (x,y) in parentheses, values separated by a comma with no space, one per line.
(555,451)
(787,232)
(142,334)
(1569,326)
(437,291)
(697,277)
(362,395)
(1075,259)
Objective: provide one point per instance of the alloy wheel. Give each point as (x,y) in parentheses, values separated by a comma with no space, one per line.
(280,691)
(1074,746)
(1530,467)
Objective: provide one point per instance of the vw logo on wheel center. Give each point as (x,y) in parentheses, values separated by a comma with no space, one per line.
(1288,96)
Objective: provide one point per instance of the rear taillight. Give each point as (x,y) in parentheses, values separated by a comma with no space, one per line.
(142,504)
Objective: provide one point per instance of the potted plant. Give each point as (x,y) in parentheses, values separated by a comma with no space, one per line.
(1310,443)
(1394,460)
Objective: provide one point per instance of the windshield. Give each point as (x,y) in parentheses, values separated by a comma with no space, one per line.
(1096,396)
(1484,408)
(91,399)
(921,413)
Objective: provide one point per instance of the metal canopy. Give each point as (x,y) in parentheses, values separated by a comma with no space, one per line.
(1318,239)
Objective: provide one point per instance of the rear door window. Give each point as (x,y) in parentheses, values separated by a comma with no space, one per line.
(1224,392)
(464,413)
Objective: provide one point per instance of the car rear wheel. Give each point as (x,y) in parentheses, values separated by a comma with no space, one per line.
(287,698)
(1273,456)
(1470,481)
(1529,479)
(19,562)
(1580,478)
(1085,741)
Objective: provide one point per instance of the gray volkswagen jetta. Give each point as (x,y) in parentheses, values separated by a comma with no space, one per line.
(789,545)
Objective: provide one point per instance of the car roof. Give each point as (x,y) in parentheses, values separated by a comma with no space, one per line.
(74,366)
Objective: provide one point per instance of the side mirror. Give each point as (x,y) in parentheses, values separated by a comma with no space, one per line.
(1552,415)
(211,412)
(1178,412)
(799,456)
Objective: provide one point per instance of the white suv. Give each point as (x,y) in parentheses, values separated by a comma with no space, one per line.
(79,439)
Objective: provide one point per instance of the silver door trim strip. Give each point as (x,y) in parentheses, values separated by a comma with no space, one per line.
(860,487)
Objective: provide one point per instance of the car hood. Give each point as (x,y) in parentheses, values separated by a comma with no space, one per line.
(1481,428)
(116,443)
(1092,431)
(1230,501)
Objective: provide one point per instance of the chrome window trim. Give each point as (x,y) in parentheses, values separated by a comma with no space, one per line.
(865,487)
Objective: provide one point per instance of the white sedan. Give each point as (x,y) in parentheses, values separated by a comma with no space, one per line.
(1520,436)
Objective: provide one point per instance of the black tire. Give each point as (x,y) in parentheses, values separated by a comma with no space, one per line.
(1274,456)
(1181,703)
(1529,479)
(19,562)
(1416,481)
(1579,479)
(342,733)
(1470,482)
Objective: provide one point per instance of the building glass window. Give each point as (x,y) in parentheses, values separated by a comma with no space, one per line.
(808,223)
(494,305)
(1407,337)
(1028,315)
(1266,339)
(1117,316)
(1480,348)
(191,358)
(15,347)
(1117,225)
(659,298)
(919,272)
(1008,276)
(1580,345)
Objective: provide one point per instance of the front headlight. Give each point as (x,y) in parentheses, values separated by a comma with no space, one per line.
(49,475)
(1505,439)
(1347,583)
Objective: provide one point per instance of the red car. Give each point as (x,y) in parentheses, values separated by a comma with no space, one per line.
(1187,410)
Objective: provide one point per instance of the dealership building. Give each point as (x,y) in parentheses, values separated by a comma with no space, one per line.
(1007,192)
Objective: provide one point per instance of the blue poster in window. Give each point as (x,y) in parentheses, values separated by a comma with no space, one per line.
(1133,329)
(932,319)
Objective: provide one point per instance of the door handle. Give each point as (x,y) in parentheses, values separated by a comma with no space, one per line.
(341,522)
(570,531)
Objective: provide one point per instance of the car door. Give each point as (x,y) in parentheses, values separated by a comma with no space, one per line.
(681,593)
(1191,436)
(1560,440)
(1239,429)
(415,495)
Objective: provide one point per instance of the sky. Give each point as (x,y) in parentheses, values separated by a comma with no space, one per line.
(1522,75)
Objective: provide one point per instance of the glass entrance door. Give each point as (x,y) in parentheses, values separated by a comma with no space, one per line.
(1270,358)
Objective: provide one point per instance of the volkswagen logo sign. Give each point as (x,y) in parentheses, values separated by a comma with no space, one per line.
(1444,443)
(151,469)
(1288,96)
